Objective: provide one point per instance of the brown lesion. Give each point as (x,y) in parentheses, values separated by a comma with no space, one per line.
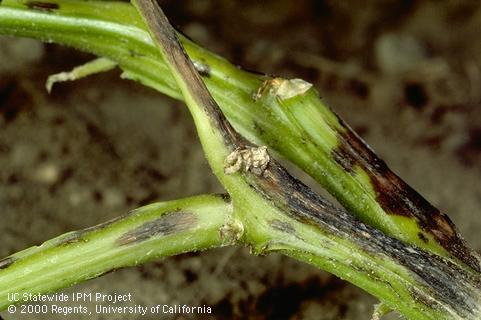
(170,223)
(441,278)
(6,262)
(282,226)
(71,237)
(42,5)
(396,197)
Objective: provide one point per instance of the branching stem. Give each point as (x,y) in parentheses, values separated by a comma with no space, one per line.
(435,276)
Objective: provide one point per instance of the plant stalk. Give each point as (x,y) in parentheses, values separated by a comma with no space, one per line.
(301,129)
(148,233)
(269,198)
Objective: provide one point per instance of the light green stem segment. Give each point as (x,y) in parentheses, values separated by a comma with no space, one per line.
(151,232)
(302,129)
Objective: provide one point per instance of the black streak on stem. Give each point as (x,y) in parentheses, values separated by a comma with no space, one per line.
(396,197)
(445,280)
(283,226)
(40,5)
(77,236)
(168,224)
(166,38)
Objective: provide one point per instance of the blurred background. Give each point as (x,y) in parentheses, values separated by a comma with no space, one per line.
(404,74)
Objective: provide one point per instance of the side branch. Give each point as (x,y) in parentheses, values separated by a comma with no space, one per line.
(300,127)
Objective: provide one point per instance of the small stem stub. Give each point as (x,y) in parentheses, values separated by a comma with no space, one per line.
(253,159)
(231,232)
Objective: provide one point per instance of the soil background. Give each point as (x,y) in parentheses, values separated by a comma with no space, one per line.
(404,74)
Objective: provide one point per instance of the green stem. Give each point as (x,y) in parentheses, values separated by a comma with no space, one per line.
(97,65)
(302,129)
(279,213)
(276,212)
(155,231)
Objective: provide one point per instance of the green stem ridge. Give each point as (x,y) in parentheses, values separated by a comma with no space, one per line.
(271,211)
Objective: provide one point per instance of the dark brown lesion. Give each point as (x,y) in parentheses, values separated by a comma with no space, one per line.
(41,5)
(396,197)
(445,281)
(282,226)
(168,224)
(224,196)
(422,237)
(6,262)
(71,237)
(441,278)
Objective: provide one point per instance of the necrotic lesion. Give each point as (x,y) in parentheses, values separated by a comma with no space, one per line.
(166,225)
(5,263)
(40,5)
